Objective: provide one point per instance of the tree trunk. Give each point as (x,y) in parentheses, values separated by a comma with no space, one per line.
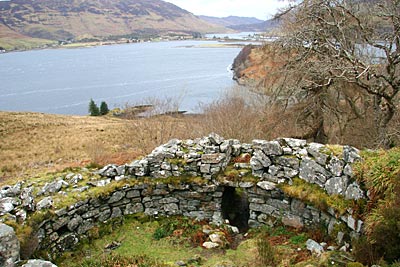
(384,112)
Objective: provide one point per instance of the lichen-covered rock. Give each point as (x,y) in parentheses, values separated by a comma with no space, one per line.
(266,185)
(295,143)
(27,199)
(74,178)
(45,203)
(354,192)
(336,185)
(259,161)
(314,247)
(215,139)
(116,196)
(210,245)
(314,149)
(9,246)
(336,166)
(100,183)
(11,191)
(312,172)
(67,241)
(293,221)
(270,148)
(54,187)
(108,171)
(7,205)
(38,263)
(351,154)
(134,208)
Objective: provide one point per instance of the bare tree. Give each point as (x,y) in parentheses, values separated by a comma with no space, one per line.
(331,45)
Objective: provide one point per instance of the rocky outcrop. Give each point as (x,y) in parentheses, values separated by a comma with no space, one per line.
(195,178)
(253,64)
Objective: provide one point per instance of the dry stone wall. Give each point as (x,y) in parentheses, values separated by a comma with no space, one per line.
(166,185)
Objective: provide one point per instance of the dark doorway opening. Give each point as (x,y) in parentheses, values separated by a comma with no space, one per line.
(235,208)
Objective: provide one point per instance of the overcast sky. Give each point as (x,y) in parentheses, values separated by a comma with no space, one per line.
(262,9)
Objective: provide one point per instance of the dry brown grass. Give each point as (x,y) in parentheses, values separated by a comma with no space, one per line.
(34,142)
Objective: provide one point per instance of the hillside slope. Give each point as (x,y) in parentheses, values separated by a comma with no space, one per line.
(243,24)
(74,19)
(231,20)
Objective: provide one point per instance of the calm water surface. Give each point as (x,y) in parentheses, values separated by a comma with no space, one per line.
(62,81)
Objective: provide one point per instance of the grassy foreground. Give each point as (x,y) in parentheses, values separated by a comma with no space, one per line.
(141,245)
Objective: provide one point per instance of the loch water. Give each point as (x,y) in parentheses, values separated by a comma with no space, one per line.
(62,81)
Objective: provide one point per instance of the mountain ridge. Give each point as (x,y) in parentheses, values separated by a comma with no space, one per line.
(75,19)
(231,20)
(243,24)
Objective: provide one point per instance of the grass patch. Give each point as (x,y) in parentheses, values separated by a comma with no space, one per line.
(299,239)
(238,175)
(141,245)
(136,241)
(316,196)
(113,260)
(380,174)
(336,150)
(25,43)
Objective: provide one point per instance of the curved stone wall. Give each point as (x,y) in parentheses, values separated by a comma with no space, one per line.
(189,178)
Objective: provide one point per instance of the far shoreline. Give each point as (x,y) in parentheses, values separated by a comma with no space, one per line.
(224,43)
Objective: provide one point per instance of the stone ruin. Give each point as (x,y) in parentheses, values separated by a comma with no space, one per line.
(198,179)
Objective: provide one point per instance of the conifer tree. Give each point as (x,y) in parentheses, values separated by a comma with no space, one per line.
(93,108)
(104,108)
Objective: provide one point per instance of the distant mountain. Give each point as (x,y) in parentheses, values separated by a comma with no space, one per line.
(242,24)
(74,19)
(231,20)
(264,26)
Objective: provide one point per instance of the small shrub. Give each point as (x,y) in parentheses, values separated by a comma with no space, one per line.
(94,165)
(298,239)
(364,251)
(160,233)
(281,230)
(198,238)
(319,232)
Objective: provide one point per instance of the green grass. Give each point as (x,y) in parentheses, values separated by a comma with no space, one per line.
(336,150)
(139,246)
(379,171)
(299,239)
(23,44)
(380,175)
(137,239)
